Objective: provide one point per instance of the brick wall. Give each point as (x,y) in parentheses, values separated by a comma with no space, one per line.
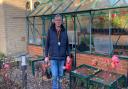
(101,63)
(34,50)
(15,25)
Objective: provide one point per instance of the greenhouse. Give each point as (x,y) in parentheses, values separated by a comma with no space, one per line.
(97,30)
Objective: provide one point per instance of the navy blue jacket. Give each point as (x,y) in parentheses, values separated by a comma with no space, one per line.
(52,48)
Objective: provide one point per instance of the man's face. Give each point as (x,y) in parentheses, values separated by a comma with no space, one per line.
(58,21)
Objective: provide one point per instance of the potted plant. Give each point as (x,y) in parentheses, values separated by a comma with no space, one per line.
(84,44)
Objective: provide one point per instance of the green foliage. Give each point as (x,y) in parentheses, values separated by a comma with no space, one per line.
(119,21)
(2,56)
(86,40)
(83,41)
(100,22)
(116,22)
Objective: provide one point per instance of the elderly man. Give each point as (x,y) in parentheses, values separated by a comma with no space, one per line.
(57,50)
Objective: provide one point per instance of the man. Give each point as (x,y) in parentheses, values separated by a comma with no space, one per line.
(57,50)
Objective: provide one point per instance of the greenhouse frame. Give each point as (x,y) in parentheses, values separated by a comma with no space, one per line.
(96,28)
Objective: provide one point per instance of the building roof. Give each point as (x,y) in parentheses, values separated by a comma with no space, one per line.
(73,6)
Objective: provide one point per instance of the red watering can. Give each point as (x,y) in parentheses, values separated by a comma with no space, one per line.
(68,66)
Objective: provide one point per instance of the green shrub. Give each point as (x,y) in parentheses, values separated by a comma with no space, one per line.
(2,56)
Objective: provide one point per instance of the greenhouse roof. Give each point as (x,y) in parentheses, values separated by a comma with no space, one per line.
(73,6)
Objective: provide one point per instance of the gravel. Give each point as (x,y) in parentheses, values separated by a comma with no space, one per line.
(15,81)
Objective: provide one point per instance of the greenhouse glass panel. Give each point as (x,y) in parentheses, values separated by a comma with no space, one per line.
(54,8)
(47,7)
(37,10)
(126,1)
(75,5)
(43,1)
(123,2)
(109,4)
(35,31)
(83,32)
(64,6)
(118,3)
(45,30)
(86,5)
(120,31)
(112,2)
(102,4)
(102,43)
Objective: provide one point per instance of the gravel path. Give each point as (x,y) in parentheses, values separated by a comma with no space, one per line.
(32,82)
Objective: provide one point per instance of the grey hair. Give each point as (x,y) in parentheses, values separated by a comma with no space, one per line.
(58,15)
